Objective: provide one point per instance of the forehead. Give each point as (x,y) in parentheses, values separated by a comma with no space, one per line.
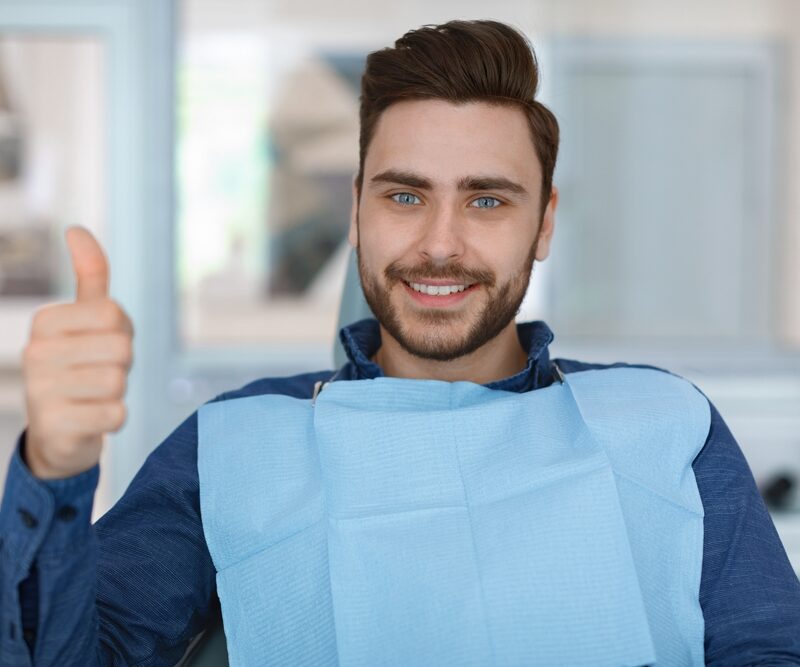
(445,141)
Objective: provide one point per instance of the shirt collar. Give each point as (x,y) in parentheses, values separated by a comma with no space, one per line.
(363,338)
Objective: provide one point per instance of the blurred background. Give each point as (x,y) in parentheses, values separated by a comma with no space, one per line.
(210,145)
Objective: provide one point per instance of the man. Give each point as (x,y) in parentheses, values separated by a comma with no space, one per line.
(449,496)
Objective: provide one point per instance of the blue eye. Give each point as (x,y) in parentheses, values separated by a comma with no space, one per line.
(405,198)
(486,202)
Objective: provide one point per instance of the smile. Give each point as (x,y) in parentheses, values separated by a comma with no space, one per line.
(439,296)
(438,290)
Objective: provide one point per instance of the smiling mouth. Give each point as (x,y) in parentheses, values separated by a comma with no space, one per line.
(439,290)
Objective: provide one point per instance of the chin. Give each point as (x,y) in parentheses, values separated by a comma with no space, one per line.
(430,319)
(438,341)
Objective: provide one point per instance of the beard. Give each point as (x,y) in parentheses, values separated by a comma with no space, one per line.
(436,340)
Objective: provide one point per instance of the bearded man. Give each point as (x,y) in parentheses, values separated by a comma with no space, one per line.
(451,496)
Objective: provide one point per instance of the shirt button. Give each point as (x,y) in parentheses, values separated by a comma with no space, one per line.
(28,519)
(66,513)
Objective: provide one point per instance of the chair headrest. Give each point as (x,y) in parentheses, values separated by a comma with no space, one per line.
(353,306)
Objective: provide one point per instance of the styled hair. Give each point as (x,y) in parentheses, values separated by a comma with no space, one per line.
(459,62)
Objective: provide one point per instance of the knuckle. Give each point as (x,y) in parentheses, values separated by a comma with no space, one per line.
(39,318)
(103,312)
(116,413)
(111,314)
(113,346)
(32,353)
(43,317)
(114,381)
(46,319)
(125,349)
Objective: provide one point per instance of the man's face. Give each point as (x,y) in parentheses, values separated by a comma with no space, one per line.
(447,226)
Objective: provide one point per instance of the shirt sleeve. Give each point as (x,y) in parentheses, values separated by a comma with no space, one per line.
(132,589)
(47,521)
(749,592)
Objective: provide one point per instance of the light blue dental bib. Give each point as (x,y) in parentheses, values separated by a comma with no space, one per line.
(416,522)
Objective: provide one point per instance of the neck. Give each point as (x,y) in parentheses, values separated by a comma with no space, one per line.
(500,358)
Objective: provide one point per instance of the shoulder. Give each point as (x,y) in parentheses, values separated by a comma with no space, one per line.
(640,410)
(176,455)
(633,382)
(575,366)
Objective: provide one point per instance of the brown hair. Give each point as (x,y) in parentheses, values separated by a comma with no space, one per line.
(459,61)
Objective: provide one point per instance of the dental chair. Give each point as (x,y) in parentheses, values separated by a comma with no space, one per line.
(209,649)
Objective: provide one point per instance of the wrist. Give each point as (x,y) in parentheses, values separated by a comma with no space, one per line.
(36,464)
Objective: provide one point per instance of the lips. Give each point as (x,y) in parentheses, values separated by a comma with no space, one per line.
(455,293)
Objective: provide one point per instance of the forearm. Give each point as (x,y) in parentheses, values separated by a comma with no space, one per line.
(48,544)
(133,589)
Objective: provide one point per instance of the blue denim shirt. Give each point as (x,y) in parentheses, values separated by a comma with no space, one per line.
(137,586)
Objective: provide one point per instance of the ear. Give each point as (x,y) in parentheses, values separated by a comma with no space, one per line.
(547,228)
(352,234)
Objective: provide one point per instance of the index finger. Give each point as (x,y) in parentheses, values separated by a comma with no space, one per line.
(73,318)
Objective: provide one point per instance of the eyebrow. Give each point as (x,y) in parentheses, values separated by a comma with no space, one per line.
(467,183)
(491,183)
(398,177)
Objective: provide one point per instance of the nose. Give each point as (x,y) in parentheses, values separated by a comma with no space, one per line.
(442,238)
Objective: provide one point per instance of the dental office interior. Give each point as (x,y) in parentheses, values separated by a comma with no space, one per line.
(210,145)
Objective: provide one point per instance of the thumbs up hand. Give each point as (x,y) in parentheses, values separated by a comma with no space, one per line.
(75,368)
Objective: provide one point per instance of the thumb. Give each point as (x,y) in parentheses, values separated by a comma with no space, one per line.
(89,263)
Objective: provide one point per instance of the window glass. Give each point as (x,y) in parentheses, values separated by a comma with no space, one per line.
(52,156)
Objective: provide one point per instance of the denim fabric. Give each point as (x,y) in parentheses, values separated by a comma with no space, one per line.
(137,586)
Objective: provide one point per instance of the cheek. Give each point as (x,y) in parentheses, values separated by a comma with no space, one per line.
(506,258)
(383,244)
(375,256)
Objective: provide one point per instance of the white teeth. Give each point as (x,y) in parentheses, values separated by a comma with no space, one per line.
(438,290)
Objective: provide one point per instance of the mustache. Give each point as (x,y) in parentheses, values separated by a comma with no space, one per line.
(458,273)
